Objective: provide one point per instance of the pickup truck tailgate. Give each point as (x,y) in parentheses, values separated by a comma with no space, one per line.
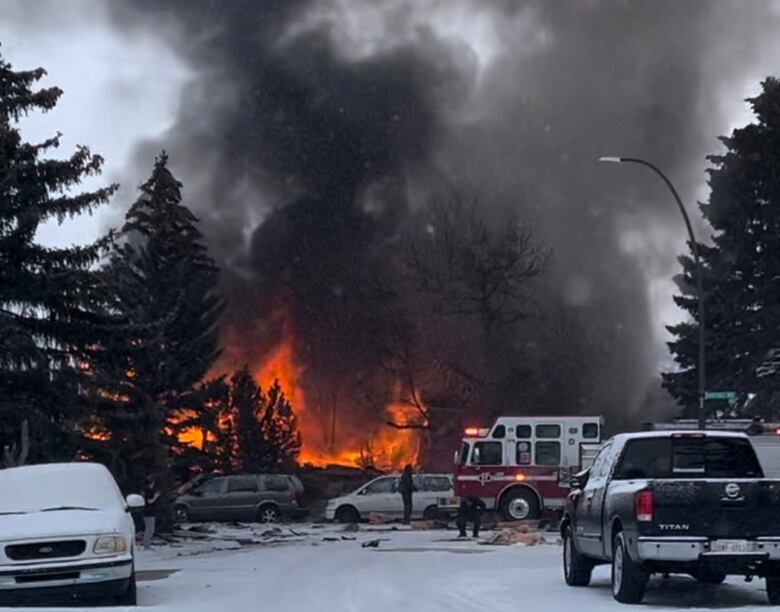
(715,508)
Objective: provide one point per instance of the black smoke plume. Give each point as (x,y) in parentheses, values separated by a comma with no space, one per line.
(308,124)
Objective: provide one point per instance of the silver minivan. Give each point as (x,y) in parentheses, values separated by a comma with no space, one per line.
(381,496)
(265,498)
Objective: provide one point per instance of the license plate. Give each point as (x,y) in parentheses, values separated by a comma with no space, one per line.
(729,546)
(449,502)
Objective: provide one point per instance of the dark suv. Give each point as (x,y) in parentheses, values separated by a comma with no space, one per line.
(265,498)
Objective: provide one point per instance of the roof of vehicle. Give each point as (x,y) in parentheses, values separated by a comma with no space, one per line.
(678,432)
(31,488)
(415,474)
(74,467)
(252,475)
(551,417)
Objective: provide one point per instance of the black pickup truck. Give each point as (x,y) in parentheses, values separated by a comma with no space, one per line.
(685,502)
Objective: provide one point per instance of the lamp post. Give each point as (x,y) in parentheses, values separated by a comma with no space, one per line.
(699,274)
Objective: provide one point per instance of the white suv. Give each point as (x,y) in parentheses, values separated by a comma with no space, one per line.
(65,533)
(381,496)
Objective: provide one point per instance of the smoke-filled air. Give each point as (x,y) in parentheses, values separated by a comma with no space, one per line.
(317,142)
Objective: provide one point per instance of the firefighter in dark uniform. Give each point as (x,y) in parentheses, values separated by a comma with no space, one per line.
(470,511)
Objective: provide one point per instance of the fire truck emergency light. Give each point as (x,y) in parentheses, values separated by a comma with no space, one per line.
(520,477)
(472,431)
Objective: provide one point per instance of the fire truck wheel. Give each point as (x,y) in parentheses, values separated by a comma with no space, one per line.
(347,514)
(519,505)
(577,568)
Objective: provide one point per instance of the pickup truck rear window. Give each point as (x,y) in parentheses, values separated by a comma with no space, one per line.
(706,457)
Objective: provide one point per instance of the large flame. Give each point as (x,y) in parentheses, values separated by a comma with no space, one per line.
(351,443)
(379,445)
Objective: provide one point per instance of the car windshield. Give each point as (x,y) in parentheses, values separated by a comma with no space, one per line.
(681,457)
(54,488)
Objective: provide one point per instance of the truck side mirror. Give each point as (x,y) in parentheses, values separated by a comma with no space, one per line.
(456,457)
(134,502)
(579,480)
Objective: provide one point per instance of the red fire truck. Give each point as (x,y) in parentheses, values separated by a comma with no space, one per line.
(522,465)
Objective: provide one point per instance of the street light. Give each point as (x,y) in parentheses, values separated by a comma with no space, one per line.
(699,273)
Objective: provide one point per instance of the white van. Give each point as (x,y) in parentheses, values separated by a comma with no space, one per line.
(381,496)
(65,533)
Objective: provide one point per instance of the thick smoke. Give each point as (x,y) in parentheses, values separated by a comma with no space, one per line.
(307,124)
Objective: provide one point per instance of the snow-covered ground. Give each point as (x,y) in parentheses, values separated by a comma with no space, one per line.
(312,568)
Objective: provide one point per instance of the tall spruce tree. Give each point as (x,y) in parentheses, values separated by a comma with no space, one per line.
(50,298)
(741,272)
(164,285)
(255,430)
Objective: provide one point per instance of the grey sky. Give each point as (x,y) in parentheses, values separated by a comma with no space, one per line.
(118,89)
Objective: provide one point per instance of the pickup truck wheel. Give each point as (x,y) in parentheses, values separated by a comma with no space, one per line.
(577,568)
(628,579)
(773,589)
(519,505)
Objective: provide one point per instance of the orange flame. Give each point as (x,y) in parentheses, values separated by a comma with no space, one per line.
(377,445)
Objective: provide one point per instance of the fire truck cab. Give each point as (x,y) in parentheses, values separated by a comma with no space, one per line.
(522,465)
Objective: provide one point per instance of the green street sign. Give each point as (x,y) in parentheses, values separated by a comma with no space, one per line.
(720,395)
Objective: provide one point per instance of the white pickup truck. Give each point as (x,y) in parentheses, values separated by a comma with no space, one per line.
(66,533)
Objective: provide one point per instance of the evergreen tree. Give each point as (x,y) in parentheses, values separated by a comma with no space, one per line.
(741,272)
(256,430)
(164,285)
(279,429)
(247,402)
(207,430)
(51,299)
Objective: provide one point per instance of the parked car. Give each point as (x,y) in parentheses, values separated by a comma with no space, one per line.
(266,498)
(66,534)
(673,502)
(381,495)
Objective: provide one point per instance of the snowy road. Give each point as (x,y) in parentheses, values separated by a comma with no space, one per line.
(411,571)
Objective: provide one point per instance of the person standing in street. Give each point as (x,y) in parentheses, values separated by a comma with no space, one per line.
(406,488)
(151,495)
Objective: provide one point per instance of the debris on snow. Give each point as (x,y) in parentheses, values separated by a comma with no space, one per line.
(509,537)
(377,518)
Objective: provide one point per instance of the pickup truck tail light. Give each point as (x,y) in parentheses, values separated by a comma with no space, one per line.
(643,506)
